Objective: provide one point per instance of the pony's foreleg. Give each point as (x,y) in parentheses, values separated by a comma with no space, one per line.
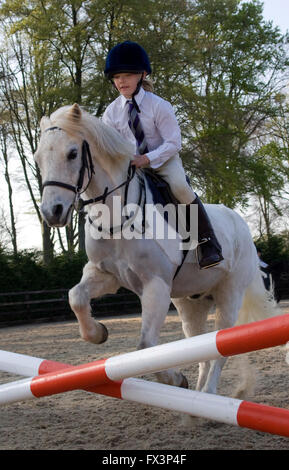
(93,284)
(155,302)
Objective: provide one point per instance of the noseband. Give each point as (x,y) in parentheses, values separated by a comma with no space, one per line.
(87,165)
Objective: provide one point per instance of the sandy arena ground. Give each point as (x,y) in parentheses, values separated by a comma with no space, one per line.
(79,420)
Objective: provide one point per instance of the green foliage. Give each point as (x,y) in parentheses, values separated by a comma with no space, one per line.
(65,270)
(274,248)
(229,94)
(219,63)
(269,174)
(26,271)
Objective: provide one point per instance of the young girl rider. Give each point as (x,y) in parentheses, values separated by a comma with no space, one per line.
(158,141)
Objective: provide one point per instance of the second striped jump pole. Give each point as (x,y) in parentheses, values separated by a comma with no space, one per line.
(219,408)
(236,340)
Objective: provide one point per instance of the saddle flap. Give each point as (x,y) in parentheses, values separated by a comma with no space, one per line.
(160,189)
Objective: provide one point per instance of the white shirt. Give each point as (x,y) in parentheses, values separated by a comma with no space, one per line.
(263,264)
(158,121)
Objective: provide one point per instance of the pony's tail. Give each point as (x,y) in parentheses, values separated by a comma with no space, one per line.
(258,302)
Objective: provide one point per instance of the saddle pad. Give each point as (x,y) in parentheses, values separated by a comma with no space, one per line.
(159,194)
(160,189)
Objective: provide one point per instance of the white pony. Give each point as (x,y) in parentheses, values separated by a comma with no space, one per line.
(78,153)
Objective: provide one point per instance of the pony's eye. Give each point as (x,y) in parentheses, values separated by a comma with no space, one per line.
(72,155)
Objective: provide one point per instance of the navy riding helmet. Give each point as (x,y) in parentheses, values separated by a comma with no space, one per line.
(127,56)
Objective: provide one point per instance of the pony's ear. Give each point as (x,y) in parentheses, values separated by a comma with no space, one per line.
(75,112)
(44,123)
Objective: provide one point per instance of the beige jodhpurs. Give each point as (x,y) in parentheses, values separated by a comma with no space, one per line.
(173,173)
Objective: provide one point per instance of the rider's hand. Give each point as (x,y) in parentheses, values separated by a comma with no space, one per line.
(139,161)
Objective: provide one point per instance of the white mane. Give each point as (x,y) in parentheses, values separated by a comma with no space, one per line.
(106,140)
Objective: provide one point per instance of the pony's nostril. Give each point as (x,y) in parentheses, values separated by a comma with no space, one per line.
(57,210)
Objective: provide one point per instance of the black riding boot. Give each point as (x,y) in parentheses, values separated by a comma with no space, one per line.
(209,247)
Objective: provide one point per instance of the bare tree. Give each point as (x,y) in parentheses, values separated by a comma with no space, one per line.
(10,229)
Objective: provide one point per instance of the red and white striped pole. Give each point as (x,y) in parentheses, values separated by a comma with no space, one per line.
(236,340)
(226,410)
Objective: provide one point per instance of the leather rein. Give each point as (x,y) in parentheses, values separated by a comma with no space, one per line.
(87,165)
(79,203)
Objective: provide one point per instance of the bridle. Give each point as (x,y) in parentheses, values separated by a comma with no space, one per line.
(87,165)
(79,204)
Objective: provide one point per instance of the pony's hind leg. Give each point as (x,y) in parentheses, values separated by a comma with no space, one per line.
(155,302)
(93,284)
(193,312)
(229,301)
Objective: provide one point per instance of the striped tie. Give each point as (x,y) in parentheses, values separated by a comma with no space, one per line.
(136,128)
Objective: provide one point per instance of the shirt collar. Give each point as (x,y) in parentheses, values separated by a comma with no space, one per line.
(139,97)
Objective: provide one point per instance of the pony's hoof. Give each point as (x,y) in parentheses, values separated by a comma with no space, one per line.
(105,333)
(184,383)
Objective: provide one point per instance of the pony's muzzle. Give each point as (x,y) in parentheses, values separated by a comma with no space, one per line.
(57,210)
(56,215)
